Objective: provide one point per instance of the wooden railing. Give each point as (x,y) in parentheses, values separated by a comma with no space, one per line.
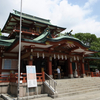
(94,74)
(4,78)
(23,77)
(88,73)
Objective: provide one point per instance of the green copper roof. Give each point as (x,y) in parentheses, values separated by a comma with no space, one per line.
(43,35)
(32,17)
(66,38)
(92,66)
(96,58)
(5,42)
(14,18)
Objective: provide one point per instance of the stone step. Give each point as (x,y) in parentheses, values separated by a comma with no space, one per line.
(69,87)
(77,92)
(78,79)
(77,86)
(76,89)
(83,80)
(94,95)
(77,83)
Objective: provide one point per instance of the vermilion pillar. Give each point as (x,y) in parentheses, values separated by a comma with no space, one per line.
(50,66)
(70,68)
(82,68)
(30,62)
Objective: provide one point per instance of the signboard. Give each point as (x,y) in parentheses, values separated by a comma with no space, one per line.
(31,76)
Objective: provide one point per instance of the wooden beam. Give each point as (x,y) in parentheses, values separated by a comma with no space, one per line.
(73,49)
(25,32)
(14,18)
(27,54)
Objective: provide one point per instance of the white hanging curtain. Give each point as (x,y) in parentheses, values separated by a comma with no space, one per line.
(58,57)
(43,55)
(37,55)
(54,56)
(65,57)
(62,57)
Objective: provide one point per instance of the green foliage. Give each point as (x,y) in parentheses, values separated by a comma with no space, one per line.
(90,40)
(86,38)
(0,31)
(94,43)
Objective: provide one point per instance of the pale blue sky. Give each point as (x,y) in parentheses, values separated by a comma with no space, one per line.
(94,7)
(79,15)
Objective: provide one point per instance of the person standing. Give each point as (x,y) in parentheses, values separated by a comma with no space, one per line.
(58,71)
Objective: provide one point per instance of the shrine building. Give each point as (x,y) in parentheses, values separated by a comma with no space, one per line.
(41,46)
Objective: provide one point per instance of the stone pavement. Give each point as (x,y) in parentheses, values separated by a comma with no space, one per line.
(86,96)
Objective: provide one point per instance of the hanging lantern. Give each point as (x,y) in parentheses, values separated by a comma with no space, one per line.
(83,60)
(50,58)
(70,59)
(31,57)
(37,55)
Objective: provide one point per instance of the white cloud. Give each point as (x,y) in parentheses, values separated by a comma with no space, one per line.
(89,3)
(60,12)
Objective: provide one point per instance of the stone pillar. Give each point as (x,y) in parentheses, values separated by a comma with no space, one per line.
(70,74)
(0,64)
(50,66)
(82,68)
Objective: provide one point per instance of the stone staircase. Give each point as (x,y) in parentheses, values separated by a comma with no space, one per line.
(69,87)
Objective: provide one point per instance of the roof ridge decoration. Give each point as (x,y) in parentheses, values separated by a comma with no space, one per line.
(43,35)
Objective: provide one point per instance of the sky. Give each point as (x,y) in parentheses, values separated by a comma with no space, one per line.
(77,15)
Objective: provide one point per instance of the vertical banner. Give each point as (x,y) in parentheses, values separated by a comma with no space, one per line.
(31,76)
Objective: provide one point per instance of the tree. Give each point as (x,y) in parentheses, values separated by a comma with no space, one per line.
(86,38)
(0,31)
(95,45)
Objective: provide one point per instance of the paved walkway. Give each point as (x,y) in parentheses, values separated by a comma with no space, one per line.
(86,96)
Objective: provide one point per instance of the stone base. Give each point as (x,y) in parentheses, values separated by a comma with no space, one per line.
(51,76)
(70,75)
(24,90)
(83,75)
